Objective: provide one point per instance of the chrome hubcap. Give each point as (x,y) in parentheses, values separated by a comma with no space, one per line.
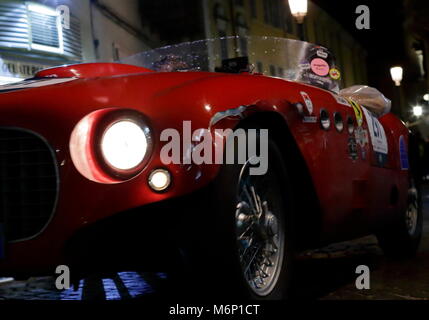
(260,239)
(411,215)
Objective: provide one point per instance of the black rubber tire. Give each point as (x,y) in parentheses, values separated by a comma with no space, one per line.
(213,260)
(395,240)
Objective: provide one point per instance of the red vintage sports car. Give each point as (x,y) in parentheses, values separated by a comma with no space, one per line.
(83,182)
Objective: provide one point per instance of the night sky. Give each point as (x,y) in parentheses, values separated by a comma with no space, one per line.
(387,18)
(384,42)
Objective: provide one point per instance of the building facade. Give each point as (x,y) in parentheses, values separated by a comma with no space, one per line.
(41,34)
(416,62)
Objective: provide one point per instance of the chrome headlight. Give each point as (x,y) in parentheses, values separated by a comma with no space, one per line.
(111,145)
(124,145)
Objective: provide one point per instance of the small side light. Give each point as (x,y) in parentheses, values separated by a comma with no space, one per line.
(159,180)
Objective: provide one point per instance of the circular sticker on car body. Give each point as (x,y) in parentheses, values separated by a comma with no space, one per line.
(335,74)
(320,67)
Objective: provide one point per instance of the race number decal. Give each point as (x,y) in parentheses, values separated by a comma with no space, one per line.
(378,137)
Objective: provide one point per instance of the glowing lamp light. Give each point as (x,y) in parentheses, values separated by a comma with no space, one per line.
(426,97)
(299,9)
(124,145)
(397,74)
(159,180)
(42,9)
(417,111)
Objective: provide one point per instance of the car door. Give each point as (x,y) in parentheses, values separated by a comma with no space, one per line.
(384,187)
(336,147)
(348,142)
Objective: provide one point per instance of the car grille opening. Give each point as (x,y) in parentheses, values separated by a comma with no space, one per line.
(28,183)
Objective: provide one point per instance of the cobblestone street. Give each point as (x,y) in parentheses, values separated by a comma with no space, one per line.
(327,273)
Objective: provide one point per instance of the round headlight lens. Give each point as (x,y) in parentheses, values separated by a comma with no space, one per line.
(159,179)
(124,145)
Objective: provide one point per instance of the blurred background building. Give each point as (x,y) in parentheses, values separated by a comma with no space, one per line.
(416,42)
(33,35)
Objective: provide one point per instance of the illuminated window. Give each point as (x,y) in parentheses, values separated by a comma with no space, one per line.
(45,28)
(30,26)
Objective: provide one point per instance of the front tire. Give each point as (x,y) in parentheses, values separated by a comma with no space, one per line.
(248,248)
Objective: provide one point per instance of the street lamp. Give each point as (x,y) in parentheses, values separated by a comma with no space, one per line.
(299,9)
(397,73)
(426,97)
(418,111)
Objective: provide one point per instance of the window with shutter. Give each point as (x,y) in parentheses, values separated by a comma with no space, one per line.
(45,28)
(37,27)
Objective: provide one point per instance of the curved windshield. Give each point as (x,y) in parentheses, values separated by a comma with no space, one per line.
(277,57)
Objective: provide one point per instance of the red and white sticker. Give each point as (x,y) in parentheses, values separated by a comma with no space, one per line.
(335,74)
(308,102)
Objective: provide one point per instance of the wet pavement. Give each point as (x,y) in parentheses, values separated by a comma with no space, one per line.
(327,274)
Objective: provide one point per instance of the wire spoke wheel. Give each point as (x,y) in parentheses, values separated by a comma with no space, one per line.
(411,215)
(260,231)
(402,237)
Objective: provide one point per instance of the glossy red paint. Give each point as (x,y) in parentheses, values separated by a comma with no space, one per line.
(348,190)
(90,70)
